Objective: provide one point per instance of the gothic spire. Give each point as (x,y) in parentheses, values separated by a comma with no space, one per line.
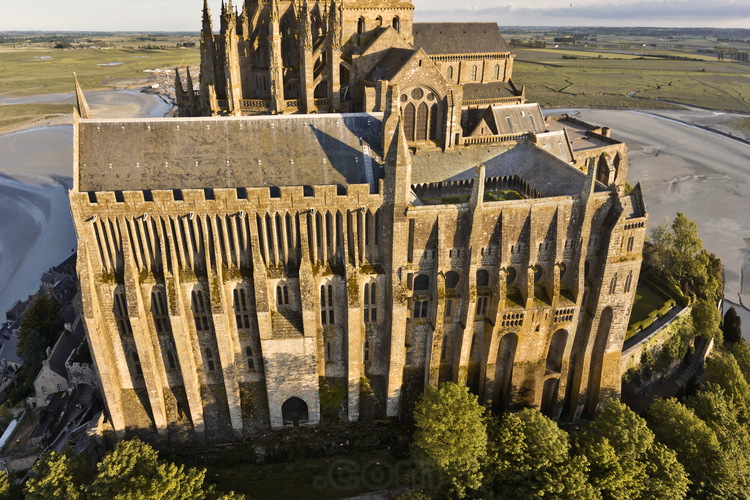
(206,17)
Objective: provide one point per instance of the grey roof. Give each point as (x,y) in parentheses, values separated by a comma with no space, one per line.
(390,65)
(579,140)
(490,90)
(459,38)
(66,344)
(555,143)
(199,153)
(519,118)
(545,172)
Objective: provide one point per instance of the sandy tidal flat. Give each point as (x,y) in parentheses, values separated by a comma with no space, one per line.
(36,169)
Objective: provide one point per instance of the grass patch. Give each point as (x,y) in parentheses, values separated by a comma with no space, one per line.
(646,301)
(39,70)
(608,83)
(505,195)
(22,113)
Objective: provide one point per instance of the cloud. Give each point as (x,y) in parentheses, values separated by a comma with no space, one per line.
(664,12)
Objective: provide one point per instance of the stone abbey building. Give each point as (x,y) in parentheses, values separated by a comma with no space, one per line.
(398,217)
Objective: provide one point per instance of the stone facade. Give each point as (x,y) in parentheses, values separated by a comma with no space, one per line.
(236,271)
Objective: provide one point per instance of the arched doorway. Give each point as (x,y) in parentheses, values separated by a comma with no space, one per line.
(597,359)
(602,171)
(294,411)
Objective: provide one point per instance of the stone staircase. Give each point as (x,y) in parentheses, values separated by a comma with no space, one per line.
(702,350)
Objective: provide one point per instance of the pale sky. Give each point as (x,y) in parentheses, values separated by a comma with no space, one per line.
(184,15)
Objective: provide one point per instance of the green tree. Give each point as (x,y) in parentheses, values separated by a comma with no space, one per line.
(4,485)
(741,353)
(662,243)
(58,476)
(529,457)
(451,436)
(42,316)
(666,475)
(697,447)
(133,471)
(35,351)
(706,320)
(725,372)
(724,414)
(732,326)
(686,246)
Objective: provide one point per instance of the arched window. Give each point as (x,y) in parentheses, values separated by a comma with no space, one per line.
(159,310)
(286,43)
(366,352)
(199,311)
(421,308)
(482,302)
(370,303)
(613,285)
(450,73)
(473,73)
(360,25)
(421,283)
(434,122)
(210,360)
(329,353)
(511,275)
(326,304)
(597,361)
(497,71)
(506,354)
(409,117)
(282,294)
(121,315)
(240,309)
(538,273)
(628,282)
(379,21)
(451,280)
(396,24)
(250,358)
(137,364)
(586,268)
(483,278)
(422,113)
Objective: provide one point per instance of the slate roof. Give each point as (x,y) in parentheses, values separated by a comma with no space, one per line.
(577,133)
(247,151)
(390,65)
(459,38)
(490,90)
(8,350)
(545,172)
(66,344)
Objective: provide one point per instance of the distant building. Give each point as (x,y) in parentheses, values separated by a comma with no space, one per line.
(233,269)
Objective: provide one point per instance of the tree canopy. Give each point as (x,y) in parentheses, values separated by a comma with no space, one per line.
(58,476)
(451,436)
(732,326)
(43,317)
(133,471)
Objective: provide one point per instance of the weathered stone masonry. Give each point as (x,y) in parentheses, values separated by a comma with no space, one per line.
(236,271)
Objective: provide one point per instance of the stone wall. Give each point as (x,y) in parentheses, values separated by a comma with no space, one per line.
(631,357)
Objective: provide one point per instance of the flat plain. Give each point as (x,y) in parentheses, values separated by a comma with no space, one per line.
(632,72)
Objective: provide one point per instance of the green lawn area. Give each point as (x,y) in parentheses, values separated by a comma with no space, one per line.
(608,83)
(311,479)
(40,70)
(646,301)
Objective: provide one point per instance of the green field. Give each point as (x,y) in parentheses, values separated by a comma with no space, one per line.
(554,82)
(39,70)
(21,113)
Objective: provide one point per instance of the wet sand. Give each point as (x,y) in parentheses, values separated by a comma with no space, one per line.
(36,168)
